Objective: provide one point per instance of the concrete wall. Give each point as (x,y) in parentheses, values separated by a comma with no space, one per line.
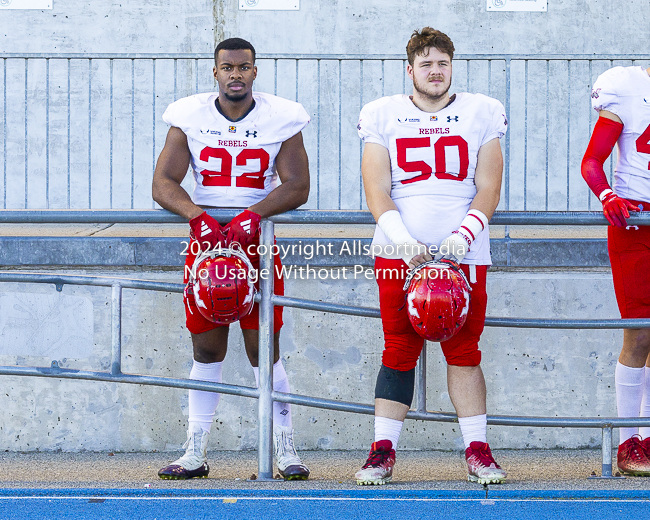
(384,26)
(87,26)
(528,371)
(337,26)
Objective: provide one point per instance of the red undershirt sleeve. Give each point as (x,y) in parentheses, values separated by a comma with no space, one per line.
(606,133)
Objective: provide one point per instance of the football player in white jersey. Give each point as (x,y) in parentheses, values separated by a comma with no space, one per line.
(238,143)
(622,98)
(432,168)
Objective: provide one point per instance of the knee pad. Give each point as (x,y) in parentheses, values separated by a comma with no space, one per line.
(394,385)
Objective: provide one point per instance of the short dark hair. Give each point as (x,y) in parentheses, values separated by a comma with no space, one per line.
(234,44)
(428,37)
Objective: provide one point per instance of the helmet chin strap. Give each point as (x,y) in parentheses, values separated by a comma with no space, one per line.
(217,252)
(446,262)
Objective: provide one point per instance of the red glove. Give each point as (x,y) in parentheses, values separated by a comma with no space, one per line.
(207,231)
(616,209)
(243,228)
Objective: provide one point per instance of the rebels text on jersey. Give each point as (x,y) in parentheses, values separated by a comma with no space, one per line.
(625,91)
(433,159)
(234,162)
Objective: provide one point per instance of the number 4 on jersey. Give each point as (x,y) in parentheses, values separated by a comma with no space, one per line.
(643,143)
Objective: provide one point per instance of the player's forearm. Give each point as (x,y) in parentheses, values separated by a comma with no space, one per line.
(289,195)
(606,133)
(390,222)
(594,175)
(170,195)
(486,201)
(488,176)
(379,203)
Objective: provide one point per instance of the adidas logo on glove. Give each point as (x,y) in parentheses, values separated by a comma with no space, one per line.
(246,226)
(205,229)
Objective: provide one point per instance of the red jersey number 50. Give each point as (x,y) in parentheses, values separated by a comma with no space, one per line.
(224,177)
(439,149)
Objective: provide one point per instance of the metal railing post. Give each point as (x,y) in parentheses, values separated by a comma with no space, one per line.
(607,451)
(421,381)
(606,471)
(116,330)
(265,355)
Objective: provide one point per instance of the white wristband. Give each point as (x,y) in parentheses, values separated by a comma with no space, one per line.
(603,194)
(393,227)
(474,222)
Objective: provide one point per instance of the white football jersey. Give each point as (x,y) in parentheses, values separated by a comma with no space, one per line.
(234,162)
(625,91)
(433,160)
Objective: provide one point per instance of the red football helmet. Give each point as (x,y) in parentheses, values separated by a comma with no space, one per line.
(222,285)
(437,298)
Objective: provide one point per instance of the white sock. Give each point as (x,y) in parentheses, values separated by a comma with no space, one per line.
(281,411)
(473,428)
(389,429)
(202,404)
(629,393)
(645,404)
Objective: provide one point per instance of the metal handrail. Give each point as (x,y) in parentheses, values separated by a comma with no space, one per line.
(300,303)
(299,216)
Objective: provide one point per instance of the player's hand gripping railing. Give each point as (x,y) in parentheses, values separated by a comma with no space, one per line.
(267,299)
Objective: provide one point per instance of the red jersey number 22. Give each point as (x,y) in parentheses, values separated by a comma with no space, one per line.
(224,177)
(439,149)
(643,143)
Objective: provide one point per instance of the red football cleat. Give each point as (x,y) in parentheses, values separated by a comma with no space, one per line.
(481,466)
(632,457)
(378,469)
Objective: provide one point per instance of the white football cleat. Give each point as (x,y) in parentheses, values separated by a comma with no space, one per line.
(289,464)
(195,461)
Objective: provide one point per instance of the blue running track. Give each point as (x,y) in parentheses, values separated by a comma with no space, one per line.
(376,504)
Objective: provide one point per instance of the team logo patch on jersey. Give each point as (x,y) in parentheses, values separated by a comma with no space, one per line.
(595,93)
(232,129)
(433,118)
(408,120)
